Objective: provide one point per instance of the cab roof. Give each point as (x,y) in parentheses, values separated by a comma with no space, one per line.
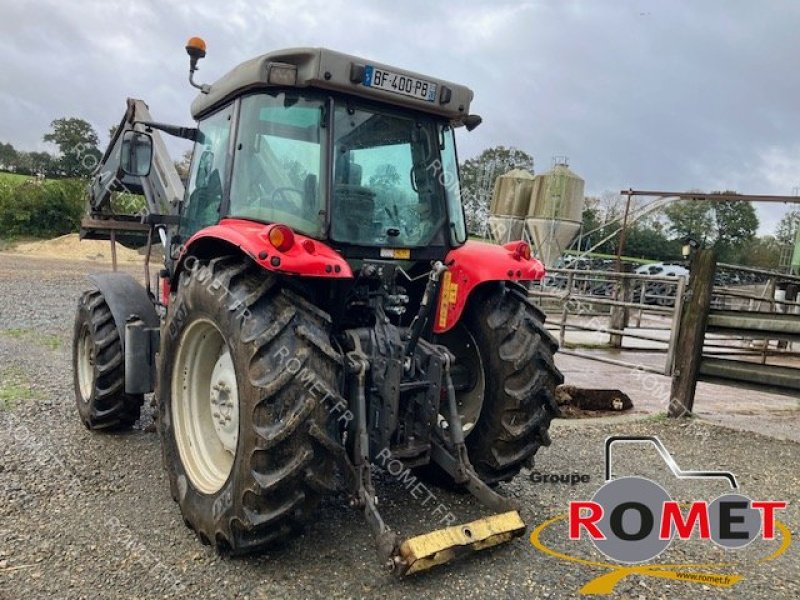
(334,71)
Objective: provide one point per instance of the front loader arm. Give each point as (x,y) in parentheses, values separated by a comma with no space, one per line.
(162,188)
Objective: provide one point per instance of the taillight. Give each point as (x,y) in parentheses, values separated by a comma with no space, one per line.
(309,246)
(281,237)
(523,250)
(165,291)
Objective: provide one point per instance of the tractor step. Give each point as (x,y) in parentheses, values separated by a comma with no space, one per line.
(445,545)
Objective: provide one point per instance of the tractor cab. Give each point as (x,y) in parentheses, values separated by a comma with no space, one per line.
(335,147)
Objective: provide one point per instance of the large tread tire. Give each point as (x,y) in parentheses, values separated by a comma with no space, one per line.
(106,406)
(287,374)
(521,378)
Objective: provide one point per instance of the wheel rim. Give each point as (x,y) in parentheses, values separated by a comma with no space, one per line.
(85,368)
(205,406)
(467,372)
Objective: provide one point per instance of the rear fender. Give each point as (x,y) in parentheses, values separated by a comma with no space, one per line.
(127,299)
(476,263)
(137,323)
(307,257)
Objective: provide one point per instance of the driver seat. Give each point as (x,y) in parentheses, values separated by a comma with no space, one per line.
(353,204)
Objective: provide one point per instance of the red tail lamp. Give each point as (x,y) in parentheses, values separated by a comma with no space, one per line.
(281,237)
(309,246)
(165,289)
(523,250)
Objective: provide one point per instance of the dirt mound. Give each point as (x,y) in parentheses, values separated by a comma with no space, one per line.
(576,402)
(71,247)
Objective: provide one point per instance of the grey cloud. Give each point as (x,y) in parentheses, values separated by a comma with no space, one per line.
(640,93)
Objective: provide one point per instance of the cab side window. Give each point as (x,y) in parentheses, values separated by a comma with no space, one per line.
(207,177)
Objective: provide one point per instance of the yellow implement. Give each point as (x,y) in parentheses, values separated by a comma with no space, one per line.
(444,545)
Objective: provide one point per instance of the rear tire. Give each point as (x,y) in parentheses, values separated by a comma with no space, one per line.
(98,368)
(521,377)
(282,458)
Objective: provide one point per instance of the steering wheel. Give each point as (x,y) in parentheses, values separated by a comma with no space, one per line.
(280,200)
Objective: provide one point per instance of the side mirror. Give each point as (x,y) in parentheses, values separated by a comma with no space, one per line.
(472,121)
(136,154)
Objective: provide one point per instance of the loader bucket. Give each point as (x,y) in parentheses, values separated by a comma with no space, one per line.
(445,545)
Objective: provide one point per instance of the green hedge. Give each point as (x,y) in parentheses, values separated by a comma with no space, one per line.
(41,208)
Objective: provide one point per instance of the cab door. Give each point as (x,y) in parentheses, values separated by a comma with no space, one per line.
(208,176)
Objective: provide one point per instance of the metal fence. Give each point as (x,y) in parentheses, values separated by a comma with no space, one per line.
(749,337)
(617,307)
(751,330)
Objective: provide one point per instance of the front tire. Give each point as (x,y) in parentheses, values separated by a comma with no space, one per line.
(98,368)
(236,345)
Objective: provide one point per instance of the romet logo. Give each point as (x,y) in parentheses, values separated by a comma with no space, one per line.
(632,520)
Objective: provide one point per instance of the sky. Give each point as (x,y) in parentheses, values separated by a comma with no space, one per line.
(650,94)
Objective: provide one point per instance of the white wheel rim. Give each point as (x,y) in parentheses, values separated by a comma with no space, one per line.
(86,360)
(205,406)
(469,403)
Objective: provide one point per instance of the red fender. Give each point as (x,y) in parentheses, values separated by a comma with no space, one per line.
(306,257)
(475,263)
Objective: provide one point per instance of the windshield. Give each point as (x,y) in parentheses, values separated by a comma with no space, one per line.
(395,176)
(386,190)
(276,173)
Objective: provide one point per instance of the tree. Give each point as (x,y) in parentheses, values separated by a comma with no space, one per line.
(786,231)
(590,218)
(611,206)
(385,176)
(32,163)
(736,224)
(41,163)
(183,166)
(645,241)
(8,156)
(593,230)
(762,253)
(690,218)
(477,181)
(77,143)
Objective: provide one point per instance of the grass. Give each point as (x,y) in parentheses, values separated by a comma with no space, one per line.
(663,417)
(8,243)
(14,388)
(658,418)
(44,340)
(14,178)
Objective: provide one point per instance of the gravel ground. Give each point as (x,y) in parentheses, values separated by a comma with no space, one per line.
(89,516)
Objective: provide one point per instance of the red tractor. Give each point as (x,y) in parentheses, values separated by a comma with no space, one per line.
(320,311)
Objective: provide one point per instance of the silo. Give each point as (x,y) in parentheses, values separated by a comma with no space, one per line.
(509,205)
(555,212)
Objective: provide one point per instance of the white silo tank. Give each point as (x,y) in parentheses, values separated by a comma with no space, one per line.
(509,205)
(555,212)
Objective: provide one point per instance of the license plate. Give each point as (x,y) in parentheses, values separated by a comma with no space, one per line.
(405,85)
(399,253)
